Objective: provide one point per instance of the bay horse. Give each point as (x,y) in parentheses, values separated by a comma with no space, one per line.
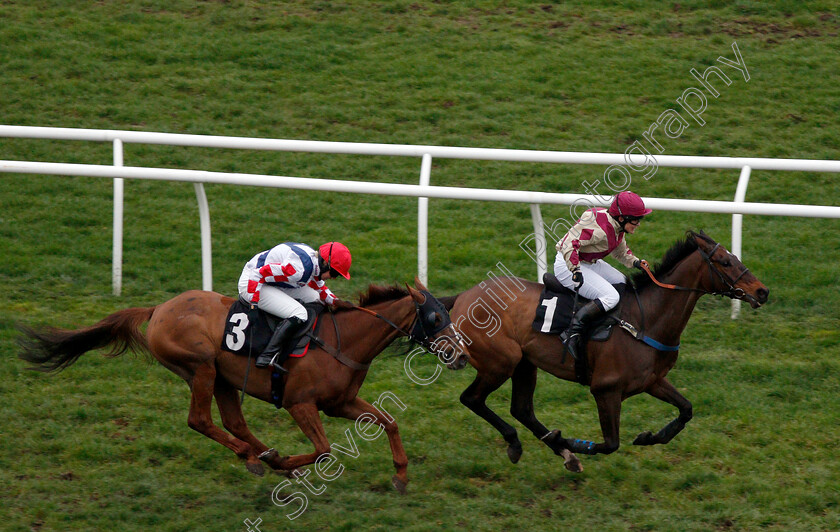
(620,367)
(185,335)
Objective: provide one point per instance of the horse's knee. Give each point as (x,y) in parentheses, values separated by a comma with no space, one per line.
(521,412)
(469,400)
(234,427)
(323,450)
(391,429)
(199,424)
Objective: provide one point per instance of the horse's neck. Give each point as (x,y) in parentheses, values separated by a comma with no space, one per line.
(667,311)
(364,336)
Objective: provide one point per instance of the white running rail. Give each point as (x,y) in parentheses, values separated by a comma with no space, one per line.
(423,191)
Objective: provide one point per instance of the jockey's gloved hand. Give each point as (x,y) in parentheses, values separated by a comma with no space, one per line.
(639,263)
(577,277)
(340,303)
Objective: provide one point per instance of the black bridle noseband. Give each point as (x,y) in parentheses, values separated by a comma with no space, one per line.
(732,291)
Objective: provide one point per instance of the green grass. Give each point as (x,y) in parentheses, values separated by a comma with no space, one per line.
(105,444)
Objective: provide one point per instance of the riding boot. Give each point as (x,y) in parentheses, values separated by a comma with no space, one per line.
(273,354)
(584,317)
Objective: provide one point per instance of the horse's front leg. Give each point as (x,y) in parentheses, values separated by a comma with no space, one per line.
(355,410)
(522,408)
(609,413)
(664,390)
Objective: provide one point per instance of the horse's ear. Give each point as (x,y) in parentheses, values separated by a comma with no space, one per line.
(415,294)
(419,285)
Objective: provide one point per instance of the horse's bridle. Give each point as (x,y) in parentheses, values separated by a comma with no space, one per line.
(425,325)
(731,292)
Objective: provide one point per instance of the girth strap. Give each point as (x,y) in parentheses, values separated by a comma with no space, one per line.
(646,339)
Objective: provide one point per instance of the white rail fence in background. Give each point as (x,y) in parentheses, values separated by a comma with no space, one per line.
(738,207)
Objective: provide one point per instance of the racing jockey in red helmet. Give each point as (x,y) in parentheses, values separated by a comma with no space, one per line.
(279,280)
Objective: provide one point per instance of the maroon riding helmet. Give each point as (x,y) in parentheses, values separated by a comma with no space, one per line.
(628,204)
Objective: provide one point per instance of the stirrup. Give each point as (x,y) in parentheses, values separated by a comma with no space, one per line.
(278,367)
(567,341)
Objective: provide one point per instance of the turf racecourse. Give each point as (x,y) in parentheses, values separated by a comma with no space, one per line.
(105,444)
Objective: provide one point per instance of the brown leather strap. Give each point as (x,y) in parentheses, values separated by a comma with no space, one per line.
(663,285)
(336,354)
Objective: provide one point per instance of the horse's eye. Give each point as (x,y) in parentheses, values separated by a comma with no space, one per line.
(725,263)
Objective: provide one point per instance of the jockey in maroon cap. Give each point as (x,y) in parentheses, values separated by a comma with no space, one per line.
(598,233)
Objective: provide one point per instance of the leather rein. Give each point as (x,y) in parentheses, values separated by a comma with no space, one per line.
(732,291)
(336,351)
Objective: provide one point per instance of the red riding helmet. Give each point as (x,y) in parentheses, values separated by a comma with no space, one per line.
(337,257)
(628,204)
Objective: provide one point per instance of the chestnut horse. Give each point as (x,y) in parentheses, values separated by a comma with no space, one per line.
(503,345)
(185,335)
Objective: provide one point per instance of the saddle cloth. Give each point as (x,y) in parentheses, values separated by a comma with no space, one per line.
(249,330)
(556,308)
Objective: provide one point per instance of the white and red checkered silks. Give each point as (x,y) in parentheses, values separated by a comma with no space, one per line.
(596,235)
(279,279)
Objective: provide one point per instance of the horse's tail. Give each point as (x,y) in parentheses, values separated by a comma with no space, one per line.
(54,349)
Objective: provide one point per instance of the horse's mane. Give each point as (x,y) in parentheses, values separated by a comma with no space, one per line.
(679,251)
(375,294)
(379,294)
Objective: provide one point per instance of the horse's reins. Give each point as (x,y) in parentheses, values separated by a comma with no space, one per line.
(732,291)
(336,353)
(381,317)
(413,326)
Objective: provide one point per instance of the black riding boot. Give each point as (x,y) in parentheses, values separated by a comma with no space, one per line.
(273,353)
(580,323)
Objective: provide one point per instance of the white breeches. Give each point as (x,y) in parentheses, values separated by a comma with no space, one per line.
(598,279)
(282,302)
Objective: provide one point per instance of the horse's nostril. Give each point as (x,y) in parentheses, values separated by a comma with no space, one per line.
(762,294)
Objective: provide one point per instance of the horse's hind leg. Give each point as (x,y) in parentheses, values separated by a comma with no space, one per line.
(665,391)
(359,407)
(475,397)
(307,418)
(522,408)
(231,412)
(201,420)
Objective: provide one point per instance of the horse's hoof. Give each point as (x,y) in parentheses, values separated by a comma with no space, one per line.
(573,464)
(399,484)
(645,438)
(255,468)
(514,453)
